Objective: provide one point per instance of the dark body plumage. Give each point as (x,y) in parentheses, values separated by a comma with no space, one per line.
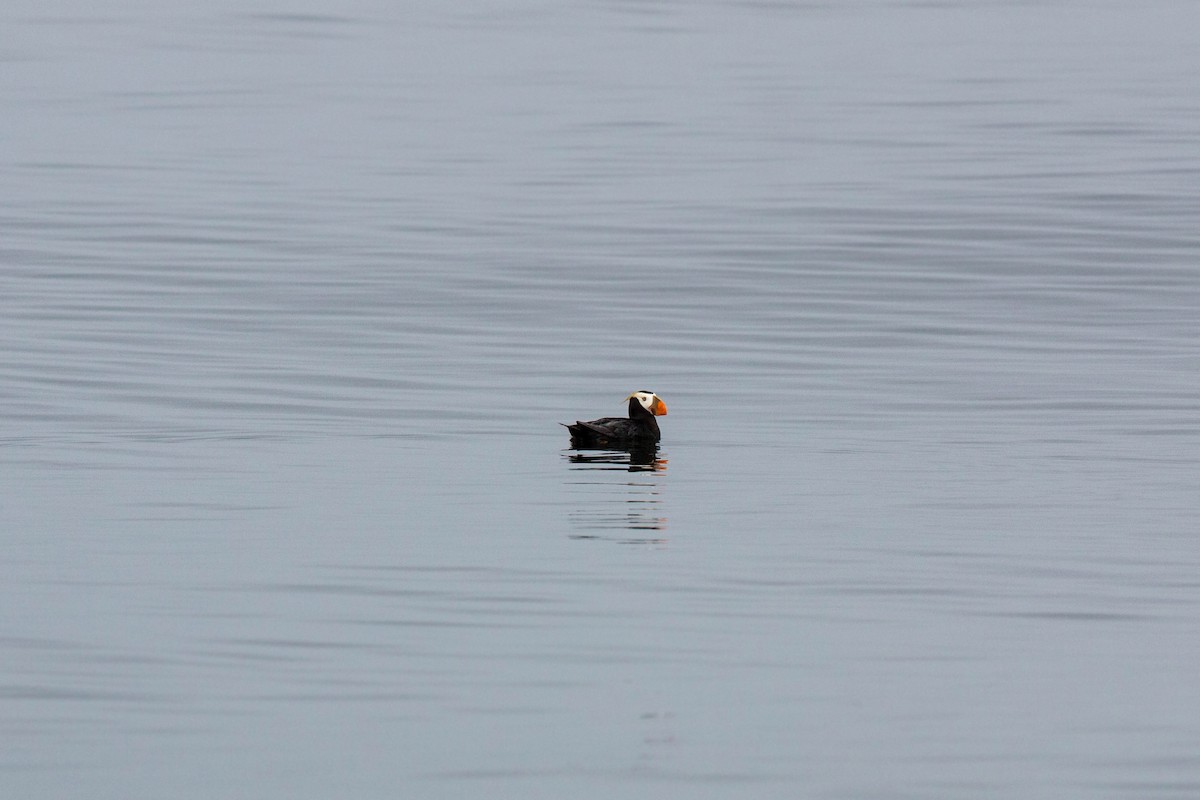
(639,429)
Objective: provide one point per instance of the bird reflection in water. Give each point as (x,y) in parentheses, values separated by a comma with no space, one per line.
(641,460)
(633,504)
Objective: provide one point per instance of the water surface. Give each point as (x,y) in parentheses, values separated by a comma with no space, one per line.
(292,301)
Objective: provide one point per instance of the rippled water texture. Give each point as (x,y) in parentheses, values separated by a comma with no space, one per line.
(293,299)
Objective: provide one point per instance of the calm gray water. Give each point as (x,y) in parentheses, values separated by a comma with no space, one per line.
(293,297)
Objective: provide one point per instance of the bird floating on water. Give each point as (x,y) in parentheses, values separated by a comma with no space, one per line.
(639,429)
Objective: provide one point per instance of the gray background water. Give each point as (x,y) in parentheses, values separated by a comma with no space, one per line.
(292,297)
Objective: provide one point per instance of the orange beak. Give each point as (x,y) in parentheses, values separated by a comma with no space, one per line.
(658,408)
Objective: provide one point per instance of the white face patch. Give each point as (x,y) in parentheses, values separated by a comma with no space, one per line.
(645,398)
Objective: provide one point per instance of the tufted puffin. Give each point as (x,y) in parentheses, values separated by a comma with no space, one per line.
(638,430)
